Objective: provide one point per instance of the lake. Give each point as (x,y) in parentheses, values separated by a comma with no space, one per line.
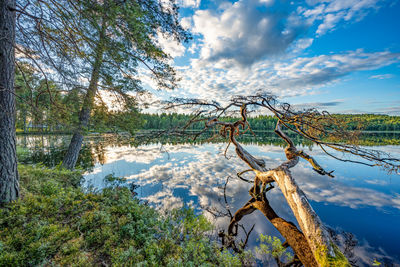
(361,204)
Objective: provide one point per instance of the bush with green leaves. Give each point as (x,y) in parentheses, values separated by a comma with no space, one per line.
(57,223)
(271,246)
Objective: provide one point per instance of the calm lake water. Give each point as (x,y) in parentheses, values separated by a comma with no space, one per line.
(360,204)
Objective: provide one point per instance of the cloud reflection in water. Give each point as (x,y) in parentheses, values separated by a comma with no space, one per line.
(196,175)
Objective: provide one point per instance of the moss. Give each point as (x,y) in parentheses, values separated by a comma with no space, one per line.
(325,260)
(57,223)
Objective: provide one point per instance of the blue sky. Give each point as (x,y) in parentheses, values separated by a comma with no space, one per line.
(338,55)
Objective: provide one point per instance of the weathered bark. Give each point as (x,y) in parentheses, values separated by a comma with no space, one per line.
(75,146)
(9,185)
(310,224)
(293,236)
(318,238)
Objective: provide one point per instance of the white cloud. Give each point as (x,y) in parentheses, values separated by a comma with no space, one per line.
(170,46)
(382,76)
(302,44)
(250,45)
(190,3)
(187,22)
(330,21)
(193,48)
(330,13)
(294,76)
(224,5)
(243,34)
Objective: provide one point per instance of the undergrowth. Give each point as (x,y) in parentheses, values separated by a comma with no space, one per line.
(57,223)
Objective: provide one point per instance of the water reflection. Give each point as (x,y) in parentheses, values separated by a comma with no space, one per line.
(361,200)
(50,150)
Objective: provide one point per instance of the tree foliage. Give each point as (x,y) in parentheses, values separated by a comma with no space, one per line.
(67,36)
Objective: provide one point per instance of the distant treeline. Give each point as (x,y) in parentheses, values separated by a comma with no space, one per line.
(103,121)
(365,122)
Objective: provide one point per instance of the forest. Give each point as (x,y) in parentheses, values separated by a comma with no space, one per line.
(363,122)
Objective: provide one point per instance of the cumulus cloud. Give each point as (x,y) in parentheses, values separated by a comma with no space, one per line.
(294,76)
(186,22)
(328,14)
(302,44)
(238,48)
(324,68)
(170,46)
(190,3)
(245,32)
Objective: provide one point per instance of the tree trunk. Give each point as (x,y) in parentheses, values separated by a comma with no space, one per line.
(9,185)
(289,231)
(293,236)
(75,146)
(323,249)
(24,114)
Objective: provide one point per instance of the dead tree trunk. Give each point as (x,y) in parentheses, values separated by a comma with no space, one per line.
(9,185)
(293,236)
(316,234)
(323,249)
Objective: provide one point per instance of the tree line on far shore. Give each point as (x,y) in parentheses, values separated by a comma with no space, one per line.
(364,122)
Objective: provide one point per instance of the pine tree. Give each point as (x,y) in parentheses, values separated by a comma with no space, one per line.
(101,45)
(9,185)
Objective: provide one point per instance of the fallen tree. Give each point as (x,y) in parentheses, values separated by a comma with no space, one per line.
(312,243)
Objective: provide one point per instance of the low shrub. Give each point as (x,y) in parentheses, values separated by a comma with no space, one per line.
(56,222)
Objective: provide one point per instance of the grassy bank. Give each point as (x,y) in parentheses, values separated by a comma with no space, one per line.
(55,222)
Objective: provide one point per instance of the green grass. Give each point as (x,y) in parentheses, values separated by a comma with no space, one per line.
(57,223)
